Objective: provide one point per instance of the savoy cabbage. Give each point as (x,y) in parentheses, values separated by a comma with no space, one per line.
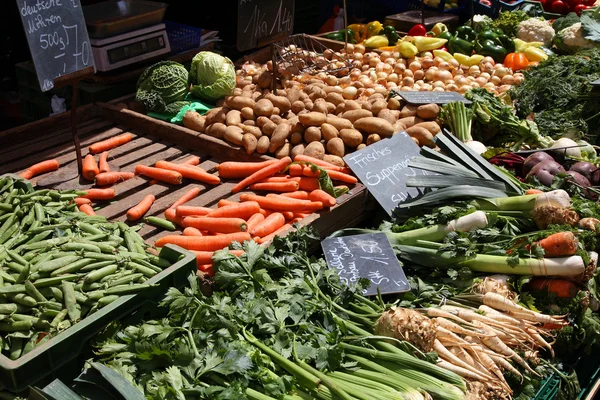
(162,87)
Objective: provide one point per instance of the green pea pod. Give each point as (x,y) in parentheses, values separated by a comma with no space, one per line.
(168,225)
(70,301)
(107,300)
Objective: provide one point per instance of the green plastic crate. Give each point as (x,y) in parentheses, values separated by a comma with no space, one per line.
(60,357)
(549,388)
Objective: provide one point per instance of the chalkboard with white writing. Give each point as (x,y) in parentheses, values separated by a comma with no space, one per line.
(368,256)
(383,167)
(263,21)
(57,38)
(432,97)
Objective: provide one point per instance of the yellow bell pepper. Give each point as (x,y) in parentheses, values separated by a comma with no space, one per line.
(376,42)
(535,54)
(425,43)
(444,55)
(373,28)
(521,45)
(438,29)
(407,49)
(468,61)
(360,31)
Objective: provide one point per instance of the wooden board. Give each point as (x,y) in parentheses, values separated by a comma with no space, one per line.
(153,141)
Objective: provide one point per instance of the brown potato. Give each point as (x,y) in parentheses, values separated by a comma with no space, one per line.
(234,117)
(308,105)
(233,134)
(297,150)
(248,113)
(265,80)
(312,134)
(394,103)
(296,138)
(315,149)
(295,125)
(218,114)
(399,127)
(293,95)
(339,123)
(318,93)
(336,147)
(361,146)
(335,160)
(373,138)
(330,107)
(374,125)
(269,128)
(431,126)
(216,130)
(253,130)
(250,142)
(351,137)
(329,132)
(280,102)
(312,119)
(263,145)
(366,106)
(410,121)
(239,102)
(340,109)
(424,137)
(297,106)
(378,105)
(354,115)
(428,111)
(388,115)
(409,110)
(351,105)
(262,121)
(194,121)
(276,119)
(283,151)
(263,107)
(320,107)
(335,98)
(276,111)
(279,136)
(249,123)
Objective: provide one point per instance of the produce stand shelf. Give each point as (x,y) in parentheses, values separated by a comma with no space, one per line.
(154,140)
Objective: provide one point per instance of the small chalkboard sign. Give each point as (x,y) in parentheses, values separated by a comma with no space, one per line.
(57,38)
(383,167)
(432,97)
(261,22)
(367,256)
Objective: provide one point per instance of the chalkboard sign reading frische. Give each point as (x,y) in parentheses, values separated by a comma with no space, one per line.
(432,97)
(261,22)
(57,38)
(383,167)
(368,256)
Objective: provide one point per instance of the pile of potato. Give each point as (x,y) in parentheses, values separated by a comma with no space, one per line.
(317,120)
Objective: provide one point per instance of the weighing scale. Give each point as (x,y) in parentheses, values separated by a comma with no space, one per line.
(130,48)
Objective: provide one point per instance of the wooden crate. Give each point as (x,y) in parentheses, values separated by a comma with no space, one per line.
(153,141)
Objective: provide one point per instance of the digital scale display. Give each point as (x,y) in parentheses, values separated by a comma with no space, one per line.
(125,52)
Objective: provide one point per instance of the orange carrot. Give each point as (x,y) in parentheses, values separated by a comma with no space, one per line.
(262,173)
(103,162)
(295,220)
(295,170)
(187,211)
(136,212)
(561,244)
(276,233)
(87,208)
(171,215)
(340,176)
(255,220)
(99,194)
(309,184)
(533,191)
(269,225)
(273,179)
(190,194)
(322,196)
(206,269)
(238,210)
(300,195)
(40,168)
(90,168)
(193,160)
(190,172)
(207,243)
(301,215)
(276,204)
(276,186)
(264,213)
(205,257)
(238,170)
(219,225)
(225,203)
(313,206)
(108,178)
(163,175)
(288,215)
(316,161)
(563,289)
(80,200)
(308,171)
(191,231)
(111,143)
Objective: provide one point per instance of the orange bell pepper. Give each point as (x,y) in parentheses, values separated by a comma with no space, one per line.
(360,31)
(516,61)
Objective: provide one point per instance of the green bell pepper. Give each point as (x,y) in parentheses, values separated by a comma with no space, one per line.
(487,35)
(492,49)
(340,36)
(466,32)
(391,34)
(458,45)
(507,43)
(445,35)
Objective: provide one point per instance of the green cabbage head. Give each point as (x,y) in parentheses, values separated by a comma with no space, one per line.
(212,76)
(162,87)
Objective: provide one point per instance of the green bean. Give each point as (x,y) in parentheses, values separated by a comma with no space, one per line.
(5,217)
(52,305)
(126,289)
(56,293)
(133,256)
(89,228)
(96,265)
(40,215)
(15,326)
(140,268)
(44,282)
(56,254)
(115,276)
(86,287)
(9,308)
(15,267)
(70,301)
(45,243)
(149,265)
(95,295)
(74,267)
(28,196)
(23,309)
(161,223)
(91,238)
(6,277)
(49,227)
(81,247)
(59,318)
(39,259)
(6,207)
(129,242)
(50,313)
(17,240)
(16,346)
(116,239)
(16,257)
(126,279)
(55,264)
(103,257)
(9,232)
(66,324)
(139,248)
(55,204)
(99,274)
(34,292)
(35,224)
(80,297)
(105,247)
(23,299)
(9,222)
(28,220)
(67,196)
(12,289)
(107,300)
(24,274)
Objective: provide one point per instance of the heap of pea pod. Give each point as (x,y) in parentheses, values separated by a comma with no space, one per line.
(59,265)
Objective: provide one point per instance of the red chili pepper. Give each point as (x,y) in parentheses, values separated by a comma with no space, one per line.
(418,30)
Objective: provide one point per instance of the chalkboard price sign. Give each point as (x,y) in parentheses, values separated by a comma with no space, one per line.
(383,167)
(432,97)
(263,21)
(57,38)
(368,256)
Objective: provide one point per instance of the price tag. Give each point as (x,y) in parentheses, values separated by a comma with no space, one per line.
(263,20)
(432,97)
(57,38)
(368,256)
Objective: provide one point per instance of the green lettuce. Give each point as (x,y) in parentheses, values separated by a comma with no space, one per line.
(212,76)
